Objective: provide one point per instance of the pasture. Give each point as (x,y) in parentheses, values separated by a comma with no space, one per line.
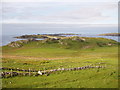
(52,54)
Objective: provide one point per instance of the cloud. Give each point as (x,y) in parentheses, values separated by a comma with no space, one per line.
(54,12)
(60,0)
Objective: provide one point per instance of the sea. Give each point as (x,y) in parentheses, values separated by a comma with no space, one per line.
(9,31)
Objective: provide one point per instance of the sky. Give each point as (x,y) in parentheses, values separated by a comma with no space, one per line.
(60,11)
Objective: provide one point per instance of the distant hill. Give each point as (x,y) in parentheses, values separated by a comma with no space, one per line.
(110,34)
(73,42)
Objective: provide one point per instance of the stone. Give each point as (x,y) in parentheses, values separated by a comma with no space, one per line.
(39,72)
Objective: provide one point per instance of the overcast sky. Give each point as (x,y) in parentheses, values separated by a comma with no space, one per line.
(60,11)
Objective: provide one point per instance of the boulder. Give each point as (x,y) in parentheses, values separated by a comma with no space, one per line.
(40,73)
(15,44)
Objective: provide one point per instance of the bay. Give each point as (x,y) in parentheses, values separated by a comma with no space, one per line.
(12,30)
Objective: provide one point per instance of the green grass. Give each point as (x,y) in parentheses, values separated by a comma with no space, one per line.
(73,79)
(46,56)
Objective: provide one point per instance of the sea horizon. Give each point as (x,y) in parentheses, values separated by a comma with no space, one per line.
(9,31)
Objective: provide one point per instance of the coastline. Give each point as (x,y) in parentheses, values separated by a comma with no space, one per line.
(7,39)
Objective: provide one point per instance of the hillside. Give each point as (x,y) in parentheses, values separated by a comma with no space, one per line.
(73,42)
(61,53)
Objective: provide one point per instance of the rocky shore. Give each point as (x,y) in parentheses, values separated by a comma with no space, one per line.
(44,35)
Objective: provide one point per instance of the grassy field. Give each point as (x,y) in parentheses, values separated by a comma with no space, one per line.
(65,53)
